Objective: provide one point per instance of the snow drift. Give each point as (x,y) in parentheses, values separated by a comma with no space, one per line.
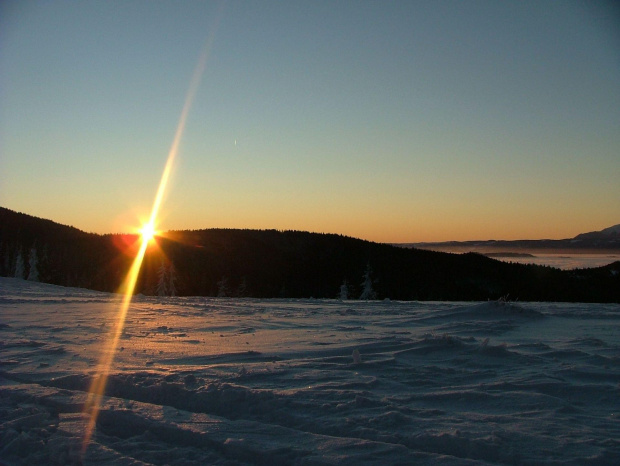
(248,381)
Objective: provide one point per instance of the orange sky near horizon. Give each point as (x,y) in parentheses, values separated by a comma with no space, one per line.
(392,122)
(396,230)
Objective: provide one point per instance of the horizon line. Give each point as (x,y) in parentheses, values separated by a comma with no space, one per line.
(312,232)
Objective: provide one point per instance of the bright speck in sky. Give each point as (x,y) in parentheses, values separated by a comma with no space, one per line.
(393,121)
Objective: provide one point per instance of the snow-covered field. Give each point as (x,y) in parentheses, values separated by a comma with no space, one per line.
(245,381)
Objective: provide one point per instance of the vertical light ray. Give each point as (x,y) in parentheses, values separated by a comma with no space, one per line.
(97,388)
(189,100)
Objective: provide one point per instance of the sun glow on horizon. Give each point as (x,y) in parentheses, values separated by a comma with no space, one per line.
(148,232)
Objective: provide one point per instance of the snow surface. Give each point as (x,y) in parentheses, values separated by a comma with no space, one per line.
(248,381)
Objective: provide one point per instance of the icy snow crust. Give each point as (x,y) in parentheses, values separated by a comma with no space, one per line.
(245,381)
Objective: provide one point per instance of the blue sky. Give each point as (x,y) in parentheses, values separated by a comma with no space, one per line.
(392,121)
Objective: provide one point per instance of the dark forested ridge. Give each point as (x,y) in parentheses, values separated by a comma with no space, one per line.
(291,264)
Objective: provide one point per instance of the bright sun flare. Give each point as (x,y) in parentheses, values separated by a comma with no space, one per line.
(148,232)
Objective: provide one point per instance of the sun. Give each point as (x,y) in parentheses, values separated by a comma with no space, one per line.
(148,232)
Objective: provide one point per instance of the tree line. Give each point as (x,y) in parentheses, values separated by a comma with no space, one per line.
(285,264)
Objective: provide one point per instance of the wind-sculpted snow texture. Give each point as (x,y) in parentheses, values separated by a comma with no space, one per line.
(247,381)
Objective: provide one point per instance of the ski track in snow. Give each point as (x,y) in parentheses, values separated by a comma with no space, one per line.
(308,382)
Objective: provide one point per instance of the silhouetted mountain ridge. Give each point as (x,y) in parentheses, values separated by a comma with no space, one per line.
(604,240)
(288,264)
(610,235)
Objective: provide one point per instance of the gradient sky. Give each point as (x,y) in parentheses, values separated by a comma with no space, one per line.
(393,121)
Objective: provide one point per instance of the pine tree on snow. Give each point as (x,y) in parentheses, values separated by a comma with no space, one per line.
(172,278)
(7,262)
(33,274)
(162,282)
(242,289)
(344,291)
(367,290)
(19,266)
(222,287)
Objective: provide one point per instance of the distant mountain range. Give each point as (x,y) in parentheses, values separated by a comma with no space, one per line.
(607,240)
(609,235)
(286,264)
